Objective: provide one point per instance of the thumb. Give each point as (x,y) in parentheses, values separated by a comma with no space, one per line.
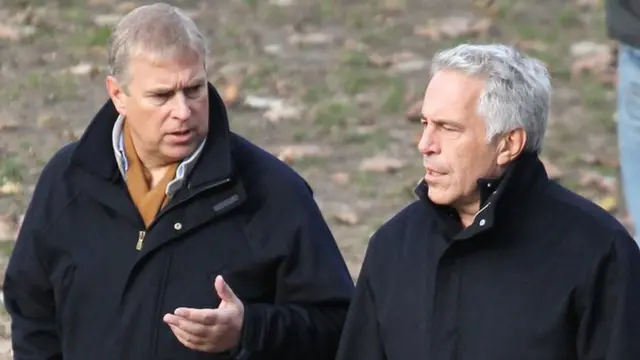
(224,290)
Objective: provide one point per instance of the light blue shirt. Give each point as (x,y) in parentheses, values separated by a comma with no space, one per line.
(181,173)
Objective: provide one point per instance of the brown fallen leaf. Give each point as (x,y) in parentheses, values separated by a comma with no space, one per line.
(454,27)
(8,125)
(317,38)
(230,94)
(399,59)
(85,68)
(291,153)
(409,66)
(382,164)
(347,217)
(282,112)
(380,61)
(341,178)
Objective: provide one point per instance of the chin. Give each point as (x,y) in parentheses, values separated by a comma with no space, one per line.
(439,197)
(179,152)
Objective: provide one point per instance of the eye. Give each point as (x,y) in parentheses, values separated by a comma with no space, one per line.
(193,91)
(162,96)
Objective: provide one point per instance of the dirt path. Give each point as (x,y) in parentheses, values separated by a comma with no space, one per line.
(325,84)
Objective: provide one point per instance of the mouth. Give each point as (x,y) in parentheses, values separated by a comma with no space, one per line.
(180,133)
(434,173)
(181,137)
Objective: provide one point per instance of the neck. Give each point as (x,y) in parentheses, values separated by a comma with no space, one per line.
(155,175)
(468,212)
(154,169)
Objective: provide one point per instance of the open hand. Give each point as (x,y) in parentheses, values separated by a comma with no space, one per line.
(210,330)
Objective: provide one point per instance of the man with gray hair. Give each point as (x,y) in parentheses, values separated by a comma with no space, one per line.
(161,234)
(494,261)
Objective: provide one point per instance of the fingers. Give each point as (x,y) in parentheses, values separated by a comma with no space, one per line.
(188,340)
(224,290)
(200,316)
(186,326)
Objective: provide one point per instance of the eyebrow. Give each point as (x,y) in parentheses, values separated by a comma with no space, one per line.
(199,81)
(441,121)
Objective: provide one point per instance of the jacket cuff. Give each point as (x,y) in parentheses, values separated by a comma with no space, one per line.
(251,336)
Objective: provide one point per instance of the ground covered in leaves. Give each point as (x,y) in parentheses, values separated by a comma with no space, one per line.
(330,86)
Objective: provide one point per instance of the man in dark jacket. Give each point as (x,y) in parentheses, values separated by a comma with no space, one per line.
(623,24)
(494,261)
(160,234)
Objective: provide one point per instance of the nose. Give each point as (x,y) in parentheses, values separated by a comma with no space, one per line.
(428,143)
(181,109)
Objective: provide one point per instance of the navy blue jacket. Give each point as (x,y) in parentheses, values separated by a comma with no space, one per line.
(77,289)
(541,274)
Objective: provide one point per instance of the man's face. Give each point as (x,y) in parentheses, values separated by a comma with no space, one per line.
(166,107)
(453,143)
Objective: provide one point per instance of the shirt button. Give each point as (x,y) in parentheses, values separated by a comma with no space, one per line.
(177,226)
(482,222)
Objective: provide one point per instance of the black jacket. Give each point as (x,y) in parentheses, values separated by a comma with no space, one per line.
(77,289)
(541,274)
(623,21)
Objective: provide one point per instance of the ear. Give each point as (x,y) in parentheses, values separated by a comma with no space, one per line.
(510,146)
(117,94)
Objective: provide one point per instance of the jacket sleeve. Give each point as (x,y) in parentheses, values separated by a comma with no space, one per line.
(360,338)
(313,292)
(609,309)
(28,294)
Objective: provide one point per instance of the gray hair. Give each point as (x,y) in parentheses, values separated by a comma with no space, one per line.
(159,31)
(517,91)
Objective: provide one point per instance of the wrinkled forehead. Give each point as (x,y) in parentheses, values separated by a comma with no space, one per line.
(168,71)
(452,95)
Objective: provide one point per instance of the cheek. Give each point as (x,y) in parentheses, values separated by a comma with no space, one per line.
(465,160)
(200,112)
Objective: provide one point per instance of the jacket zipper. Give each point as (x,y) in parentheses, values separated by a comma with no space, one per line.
(142,234)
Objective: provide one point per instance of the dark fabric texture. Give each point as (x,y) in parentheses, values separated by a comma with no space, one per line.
(542,273)
(77,289)
(623,21)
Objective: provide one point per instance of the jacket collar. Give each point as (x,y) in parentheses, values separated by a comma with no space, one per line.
(94,152)
(498,196)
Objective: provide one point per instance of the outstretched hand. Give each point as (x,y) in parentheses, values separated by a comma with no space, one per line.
(210,330)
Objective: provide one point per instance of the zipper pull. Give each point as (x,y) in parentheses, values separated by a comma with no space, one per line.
(141,235)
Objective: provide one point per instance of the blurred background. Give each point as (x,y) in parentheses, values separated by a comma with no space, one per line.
(332,87)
